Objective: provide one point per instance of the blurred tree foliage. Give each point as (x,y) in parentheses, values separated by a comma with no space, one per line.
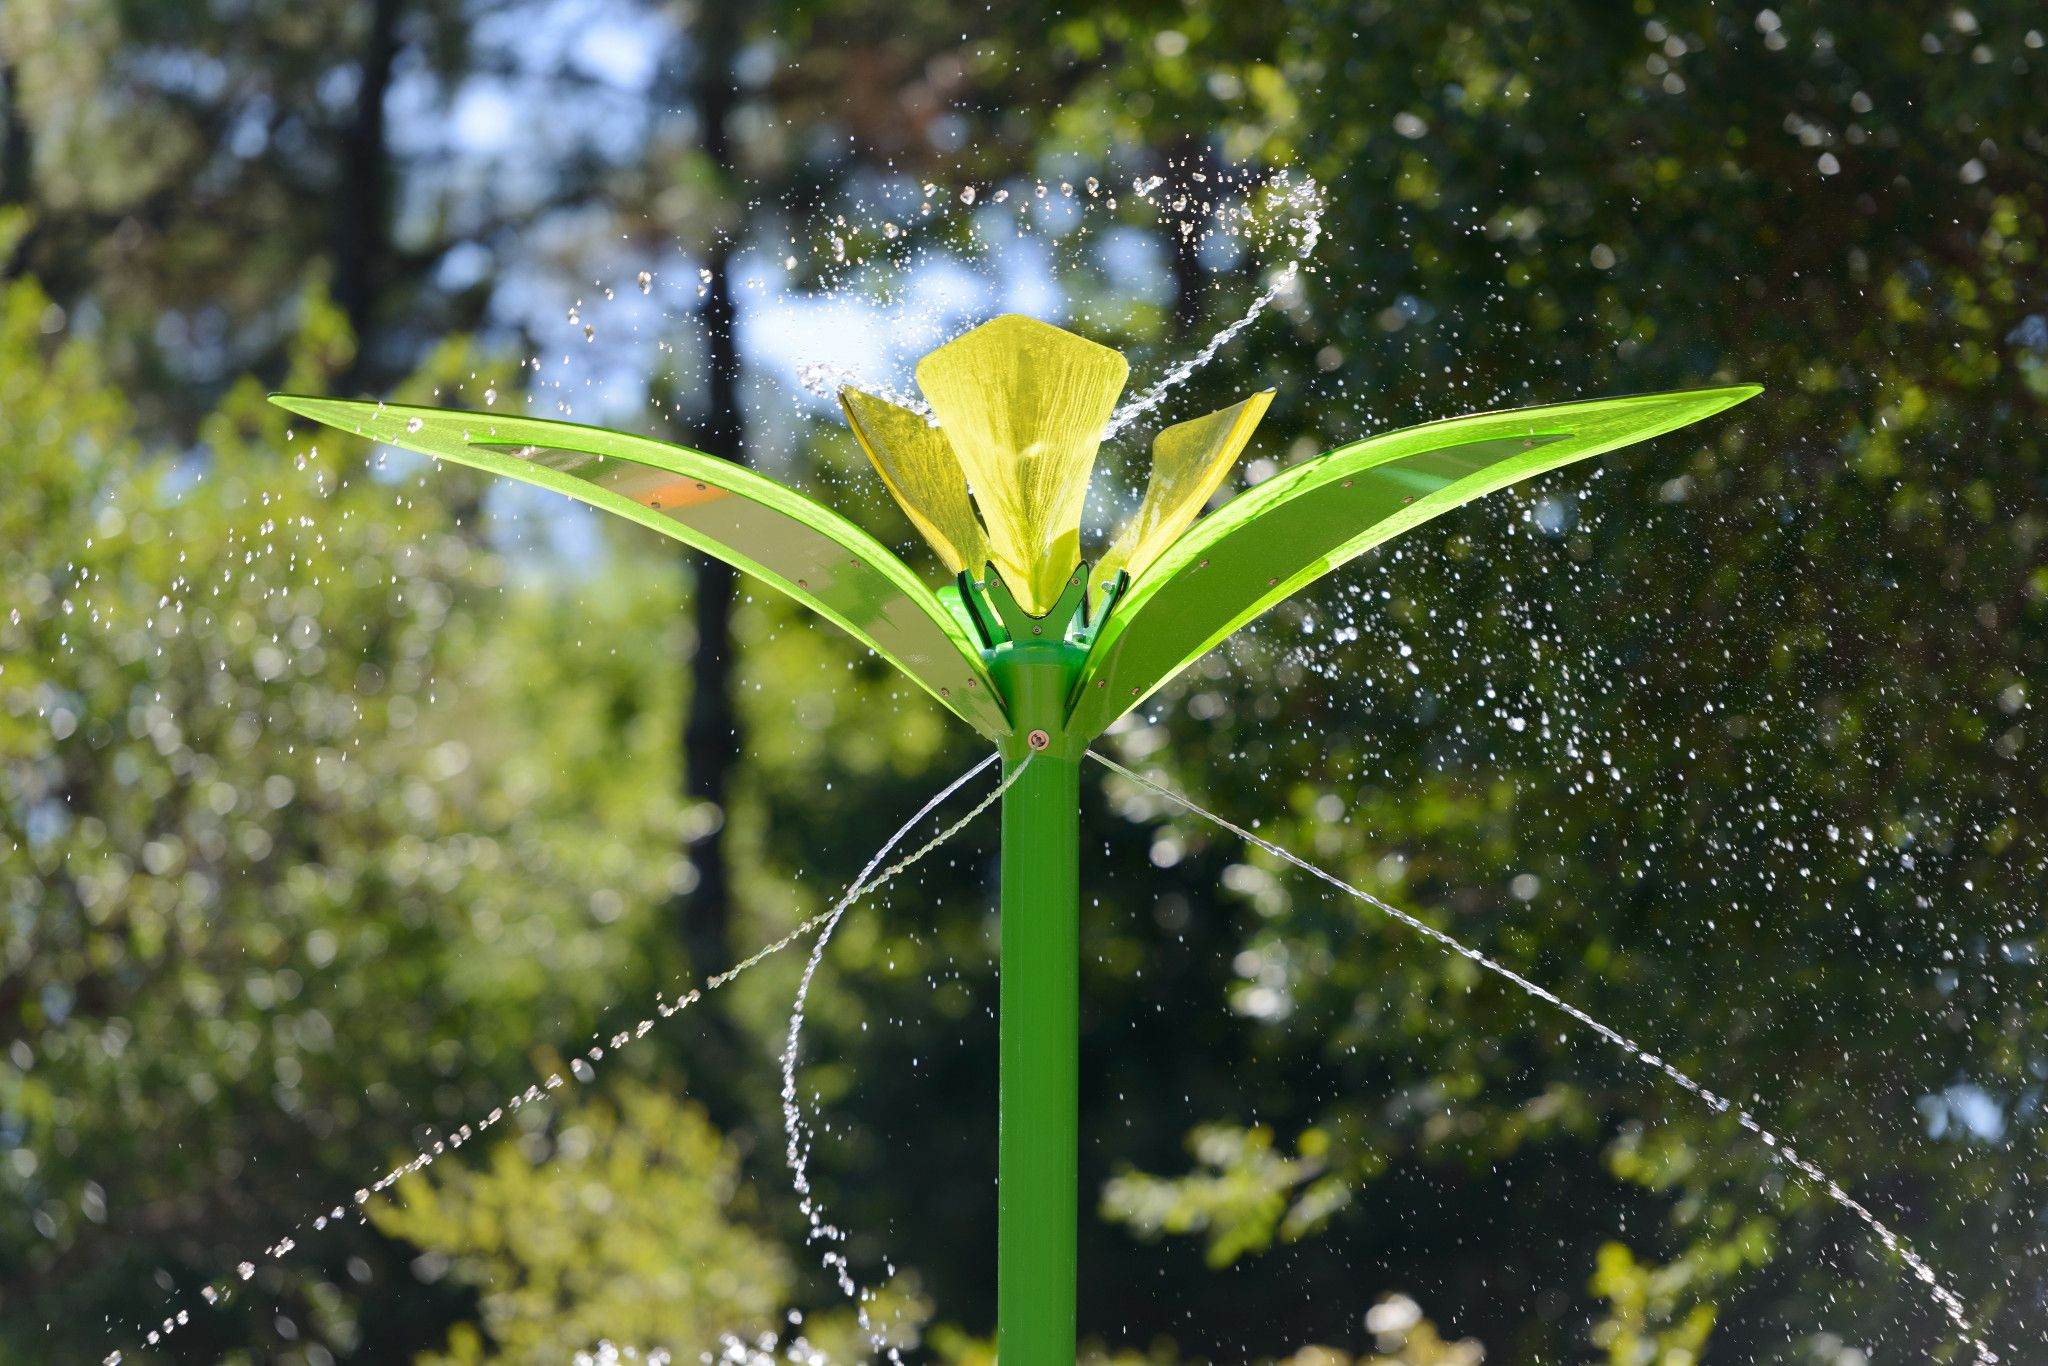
(336,799)
(185,163)
(618,1225)
(236,823)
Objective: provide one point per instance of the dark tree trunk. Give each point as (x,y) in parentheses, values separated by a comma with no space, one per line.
(711,728)
(15,162)
(362,199)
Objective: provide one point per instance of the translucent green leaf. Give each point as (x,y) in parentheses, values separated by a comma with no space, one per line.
(725,510)
(1296,527)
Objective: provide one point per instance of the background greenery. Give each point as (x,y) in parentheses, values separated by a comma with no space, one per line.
(341,798)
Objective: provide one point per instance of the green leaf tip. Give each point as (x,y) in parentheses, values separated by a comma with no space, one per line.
(1292,529)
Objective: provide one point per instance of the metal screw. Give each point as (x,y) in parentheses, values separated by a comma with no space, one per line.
(1038,630)
(1038,739)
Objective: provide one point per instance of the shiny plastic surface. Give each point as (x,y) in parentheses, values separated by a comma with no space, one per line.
(917,463)
(1189,462)
(1298,526)
(753,523)
(1024,405)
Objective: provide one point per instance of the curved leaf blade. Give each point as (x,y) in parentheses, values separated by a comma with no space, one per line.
(923,475)
(1291,530)
(758,526)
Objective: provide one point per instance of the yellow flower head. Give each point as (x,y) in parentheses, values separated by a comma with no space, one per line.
(1021,407)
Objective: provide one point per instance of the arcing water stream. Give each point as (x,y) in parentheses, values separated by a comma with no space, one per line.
(1289,220)
(796,1128)
(1302,206)
(583,1068)
(1950,1303)
(799,1133)
(794,1125)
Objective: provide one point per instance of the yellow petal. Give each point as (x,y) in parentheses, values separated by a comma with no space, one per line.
(1189,459)
(916,462)
(1024,405)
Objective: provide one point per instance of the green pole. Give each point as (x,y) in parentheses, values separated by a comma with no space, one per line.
(1040,1003)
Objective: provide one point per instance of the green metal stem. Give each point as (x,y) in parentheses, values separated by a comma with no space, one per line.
(1040,1021)
(1040,1009)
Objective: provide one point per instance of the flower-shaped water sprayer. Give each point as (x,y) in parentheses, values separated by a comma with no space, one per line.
(1042,652)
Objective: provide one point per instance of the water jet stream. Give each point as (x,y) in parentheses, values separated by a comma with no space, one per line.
(582,1068)
(1949,1302)
(1297,205)
(794,1125)
(1308,198)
